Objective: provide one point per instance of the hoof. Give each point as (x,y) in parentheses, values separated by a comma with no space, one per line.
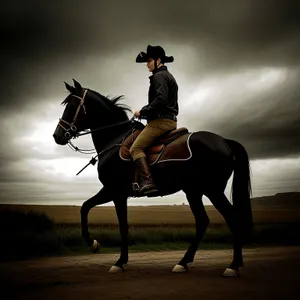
(95,247)
(115,269)
(231,273)
(179,269)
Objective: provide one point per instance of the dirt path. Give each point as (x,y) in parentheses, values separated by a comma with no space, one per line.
(269,273)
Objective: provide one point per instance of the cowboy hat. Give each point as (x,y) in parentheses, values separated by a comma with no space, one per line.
(154,52)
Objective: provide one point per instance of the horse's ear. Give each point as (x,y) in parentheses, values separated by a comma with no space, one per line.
(69,87)
(77,85)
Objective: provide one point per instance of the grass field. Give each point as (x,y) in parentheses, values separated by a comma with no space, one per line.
(154,215)
(29,230)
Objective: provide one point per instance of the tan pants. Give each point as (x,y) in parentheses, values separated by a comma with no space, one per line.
(153,130)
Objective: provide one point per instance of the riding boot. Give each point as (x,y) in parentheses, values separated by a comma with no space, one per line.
(147,185)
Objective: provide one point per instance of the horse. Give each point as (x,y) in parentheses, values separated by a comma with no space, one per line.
(197,163)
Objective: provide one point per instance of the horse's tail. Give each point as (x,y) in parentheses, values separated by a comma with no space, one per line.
(241,187)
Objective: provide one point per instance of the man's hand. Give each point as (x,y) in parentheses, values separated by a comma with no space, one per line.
(137,114)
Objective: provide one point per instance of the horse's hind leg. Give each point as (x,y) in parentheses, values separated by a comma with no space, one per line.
(201,221)
(221,203)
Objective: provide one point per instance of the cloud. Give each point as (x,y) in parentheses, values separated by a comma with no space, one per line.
(258,108)
(236,63)
(57,40)
(267,176)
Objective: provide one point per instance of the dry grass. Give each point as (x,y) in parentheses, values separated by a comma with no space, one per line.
(151,227)
(154,215)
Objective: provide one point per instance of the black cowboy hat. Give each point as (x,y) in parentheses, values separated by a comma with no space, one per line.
(154,52)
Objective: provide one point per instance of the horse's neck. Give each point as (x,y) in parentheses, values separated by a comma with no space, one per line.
(103,138)
(106,138)
(101,116)
(99,140)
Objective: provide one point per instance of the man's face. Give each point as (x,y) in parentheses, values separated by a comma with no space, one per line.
(151,64)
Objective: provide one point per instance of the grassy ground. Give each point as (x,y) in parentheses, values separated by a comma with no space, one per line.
(154,215)
(29,232)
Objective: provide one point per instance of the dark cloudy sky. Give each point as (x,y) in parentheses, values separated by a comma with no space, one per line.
(237,65)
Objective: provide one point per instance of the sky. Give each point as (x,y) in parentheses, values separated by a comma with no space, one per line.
(237,66)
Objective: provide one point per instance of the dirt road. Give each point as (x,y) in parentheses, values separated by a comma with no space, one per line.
(269,273)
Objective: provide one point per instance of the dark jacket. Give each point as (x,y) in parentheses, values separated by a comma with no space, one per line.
(162,96)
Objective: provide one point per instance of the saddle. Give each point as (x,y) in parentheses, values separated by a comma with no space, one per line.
(165,148)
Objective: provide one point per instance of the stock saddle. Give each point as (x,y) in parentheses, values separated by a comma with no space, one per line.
(171,146)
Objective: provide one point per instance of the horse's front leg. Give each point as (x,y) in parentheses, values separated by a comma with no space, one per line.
(121,210)
(103,196)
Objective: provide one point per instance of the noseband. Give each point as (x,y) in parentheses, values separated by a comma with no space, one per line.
(71,126)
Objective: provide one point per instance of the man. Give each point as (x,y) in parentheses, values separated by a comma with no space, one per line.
(160,112)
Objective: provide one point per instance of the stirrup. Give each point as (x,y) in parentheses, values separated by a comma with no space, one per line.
(135,186)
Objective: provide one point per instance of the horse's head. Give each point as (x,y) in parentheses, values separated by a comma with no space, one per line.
(74,117)
(87,109)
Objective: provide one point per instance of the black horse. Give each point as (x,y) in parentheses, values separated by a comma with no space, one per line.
(198,163)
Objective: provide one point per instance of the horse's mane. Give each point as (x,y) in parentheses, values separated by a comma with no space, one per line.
(113,103)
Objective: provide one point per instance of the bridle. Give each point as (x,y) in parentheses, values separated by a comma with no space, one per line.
(68,127)
(72,126)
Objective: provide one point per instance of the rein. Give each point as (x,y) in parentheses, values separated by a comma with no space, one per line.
(92,151)
(94,159)
(105,127)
